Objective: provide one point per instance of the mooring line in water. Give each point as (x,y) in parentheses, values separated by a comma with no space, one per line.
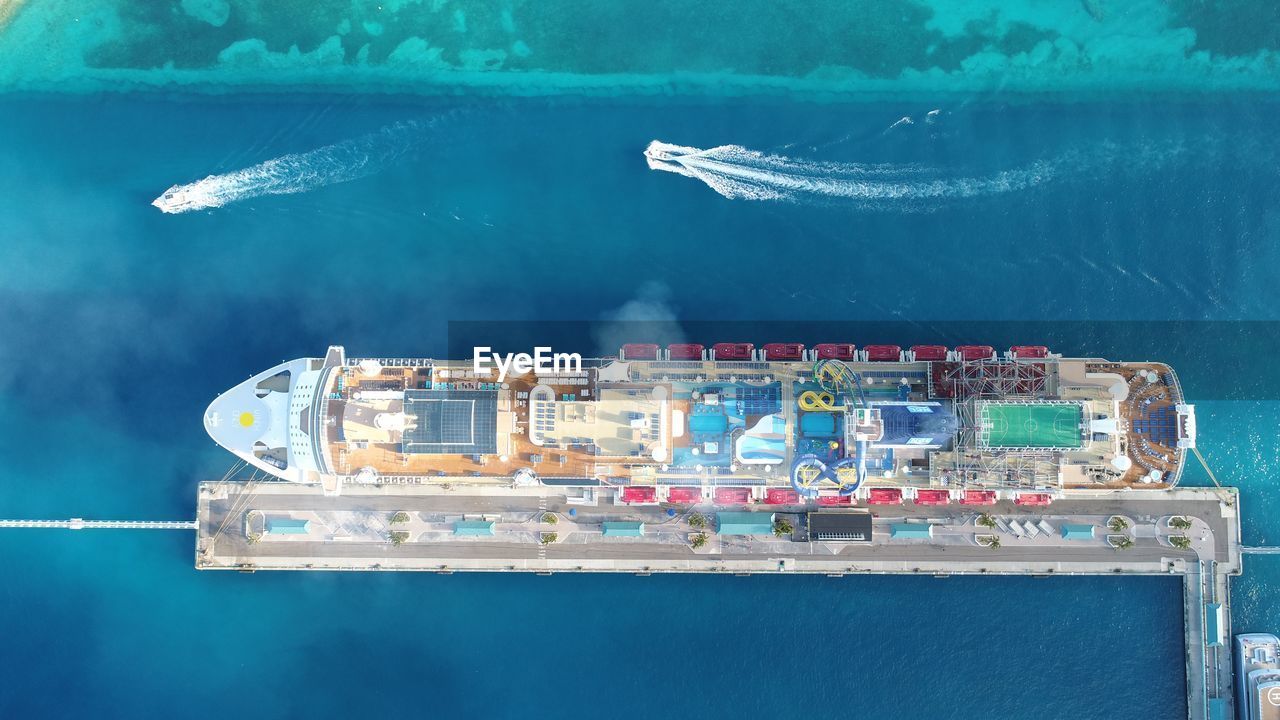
(1204,464)
(241,502)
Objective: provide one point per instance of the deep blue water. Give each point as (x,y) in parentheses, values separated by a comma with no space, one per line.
(120,323)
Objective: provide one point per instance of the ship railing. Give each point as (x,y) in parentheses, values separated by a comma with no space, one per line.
(1180,465)
(742,365)
(1175,386)
(675,364)
(678,477)
(564,378)
(382,480)
(395,362)
(1178,399)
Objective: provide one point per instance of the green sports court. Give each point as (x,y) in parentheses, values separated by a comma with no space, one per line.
(1030,425)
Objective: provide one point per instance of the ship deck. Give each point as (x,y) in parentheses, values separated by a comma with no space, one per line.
(607,432)
(1148,414)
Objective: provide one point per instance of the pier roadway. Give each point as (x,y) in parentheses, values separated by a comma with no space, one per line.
(352,532)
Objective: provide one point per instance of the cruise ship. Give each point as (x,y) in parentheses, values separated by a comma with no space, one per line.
(833,424)
(1258,676)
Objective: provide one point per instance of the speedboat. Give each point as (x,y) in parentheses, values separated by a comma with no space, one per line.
(181,199)
(659,152)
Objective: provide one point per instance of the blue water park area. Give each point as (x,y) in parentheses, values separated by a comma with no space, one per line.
(823,404)
(730,422)
(822,456)
(820,421)
(837,396)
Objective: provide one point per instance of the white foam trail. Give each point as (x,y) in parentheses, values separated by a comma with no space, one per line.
(739,173)
(298,172)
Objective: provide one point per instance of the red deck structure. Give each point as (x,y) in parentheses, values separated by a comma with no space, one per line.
(640,351)
(684,351)
(978,497)
(639,495)
(929,353)
(883,353)
(685,495)
(987,377)
(1037,499)
(781,496)
(884,496)
(1029,351)
(732,351)
(933,497)
(969,353)
(941,377)
(783,351)
(828,500)
(733,496)
(834,351)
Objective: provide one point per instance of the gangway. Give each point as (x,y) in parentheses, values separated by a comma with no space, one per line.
(82,524)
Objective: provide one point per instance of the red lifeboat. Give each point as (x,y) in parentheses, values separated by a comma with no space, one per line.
(932,497)
(732,351)
(1034,499)
(684,495)
(641,495)
(732,496)
(1029,351)
(783,351)
(969,353)
(929,353)
(684,351)
(639,351)
(781,496)
(979,497)
(884,496)
(883,353)
(834,351)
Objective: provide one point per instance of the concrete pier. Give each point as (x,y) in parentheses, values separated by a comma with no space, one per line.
(355,532)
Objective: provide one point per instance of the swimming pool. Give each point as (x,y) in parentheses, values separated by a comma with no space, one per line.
(708,423)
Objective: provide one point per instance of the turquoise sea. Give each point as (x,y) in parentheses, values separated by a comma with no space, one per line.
(1099,175)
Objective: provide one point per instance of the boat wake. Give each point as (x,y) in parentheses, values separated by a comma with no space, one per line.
(298,172)
(739,173)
